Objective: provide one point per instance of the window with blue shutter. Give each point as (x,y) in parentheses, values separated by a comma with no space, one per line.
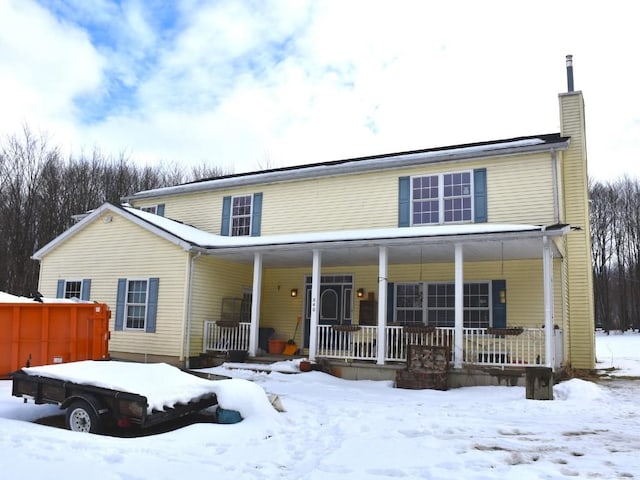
(436,199)
(86,289)
(226,216)
(499,303)
(256,215)
(480,195)
(152,305)
(137,304)
(60,289)
(390,301)
(404,205)
(160,209)
(120,302)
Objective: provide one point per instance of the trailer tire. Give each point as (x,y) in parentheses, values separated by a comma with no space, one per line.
(82,417)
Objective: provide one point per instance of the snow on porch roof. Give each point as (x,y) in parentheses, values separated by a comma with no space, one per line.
(209,241)
(191,238)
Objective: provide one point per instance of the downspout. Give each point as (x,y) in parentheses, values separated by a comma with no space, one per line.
(554,180)
(189,296)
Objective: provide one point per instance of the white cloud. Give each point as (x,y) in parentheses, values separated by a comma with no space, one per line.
(44,64)
(234,82)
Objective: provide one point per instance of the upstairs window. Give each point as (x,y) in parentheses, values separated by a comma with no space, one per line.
(241,207)
(155,209)
(241,215)
(444,198)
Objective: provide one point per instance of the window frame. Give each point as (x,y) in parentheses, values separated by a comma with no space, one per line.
(248,216)
(69,281)
(426,311)
(442,199)
(127,304)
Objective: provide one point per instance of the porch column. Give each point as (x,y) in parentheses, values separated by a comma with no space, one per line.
(547,278)
(315,305)
(255,304)
(383,268)
(459,307)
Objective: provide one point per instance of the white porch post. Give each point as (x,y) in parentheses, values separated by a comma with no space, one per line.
(459,307)
(315,304)
(383,267)
(547,275)
(255,304)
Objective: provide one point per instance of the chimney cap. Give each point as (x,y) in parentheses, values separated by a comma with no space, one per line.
(569,60)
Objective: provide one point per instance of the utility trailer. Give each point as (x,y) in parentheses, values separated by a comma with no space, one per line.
(96,409)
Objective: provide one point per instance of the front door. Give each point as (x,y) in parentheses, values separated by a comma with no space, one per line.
(335,302)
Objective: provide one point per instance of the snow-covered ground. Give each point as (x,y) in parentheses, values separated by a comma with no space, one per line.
(338,429)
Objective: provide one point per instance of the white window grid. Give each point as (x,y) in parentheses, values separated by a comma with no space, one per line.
(136,304)
(73,289)
(241,211)
(438,196)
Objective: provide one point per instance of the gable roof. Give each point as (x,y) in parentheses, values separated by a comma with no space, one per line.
(517,145)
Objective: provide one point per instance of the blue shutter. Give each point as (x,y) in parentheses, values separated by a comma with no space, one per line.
(60,291)
(256,214)
(86,289)
(152,305)
(120,300)
(499,310)
(480,195)
(226,216)
(404,207)
(390,301)
(160,210)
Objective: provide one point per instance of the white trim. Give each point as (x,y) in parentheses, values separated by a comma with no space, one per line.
(250,216)
(459,315)
(69,280)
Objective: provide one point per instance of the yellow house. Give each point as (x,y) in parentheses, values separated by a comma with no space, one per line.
(482,247)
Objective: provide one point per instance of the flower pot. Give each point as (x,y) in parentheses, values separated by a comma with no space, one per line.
(305,366)
(276,346)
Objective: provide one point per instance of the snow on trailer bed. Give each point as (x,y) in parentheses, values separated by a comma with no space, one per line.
(164,386)
(101,395)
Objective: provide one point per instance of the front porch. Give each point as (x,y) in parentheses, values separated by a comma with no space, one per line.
(481,347)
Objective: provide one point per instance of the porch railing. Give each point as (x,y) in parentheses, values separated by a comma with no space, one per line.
(223,339)
(481,346)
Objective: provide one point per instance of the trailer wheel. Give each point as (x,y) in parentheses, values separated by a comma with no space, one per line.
(81,417)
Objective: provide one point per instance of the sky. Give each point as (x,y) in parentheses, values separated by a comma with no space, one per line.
(246,85)
(340,429)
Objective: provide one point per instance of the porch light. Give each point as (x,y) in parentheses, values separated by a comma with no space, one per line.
(360,292)
(503,296)
(294,292)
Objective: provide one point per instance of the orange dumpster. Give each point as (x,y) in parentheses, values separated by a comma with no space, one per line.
(33,334)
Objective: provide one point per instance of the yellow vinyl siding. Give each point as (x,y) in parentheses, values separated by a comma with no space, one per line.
(524,285)
(519,190)
(524,289)
(107,251)
(576,209)
(213,280)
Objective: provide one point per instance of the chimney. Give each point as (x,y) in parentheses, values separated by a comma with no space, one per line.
(570,73)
